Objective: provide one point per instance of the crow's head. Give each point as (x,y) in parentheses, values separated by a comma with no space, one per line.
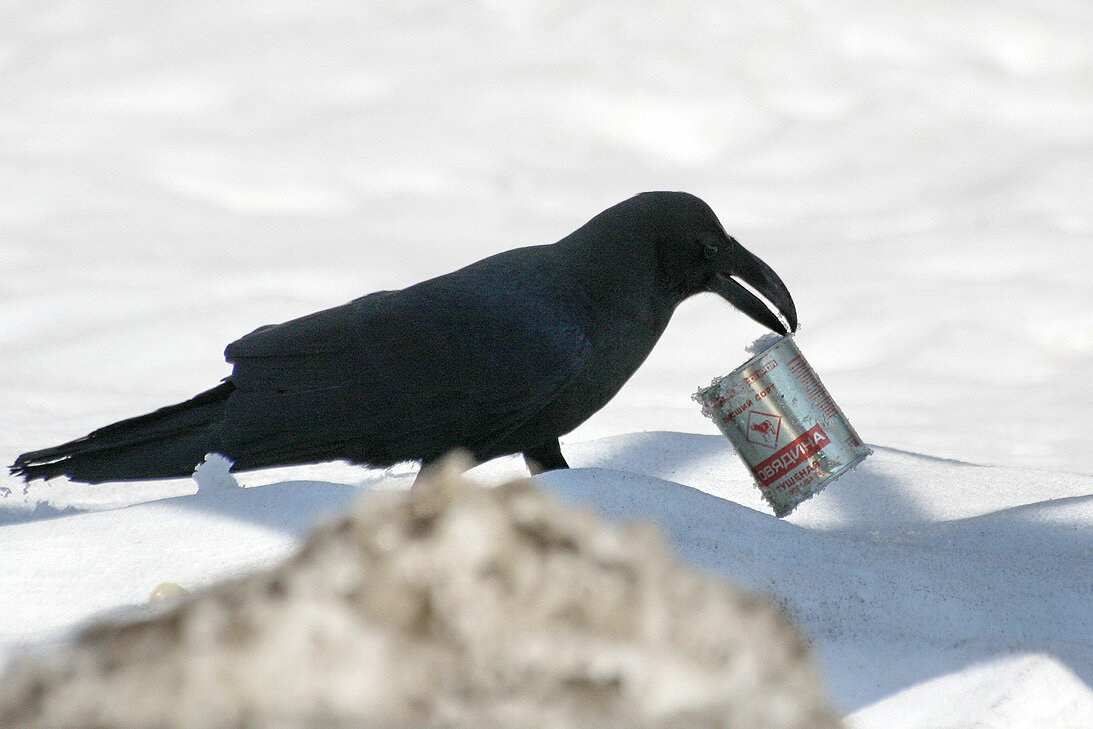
(698,255)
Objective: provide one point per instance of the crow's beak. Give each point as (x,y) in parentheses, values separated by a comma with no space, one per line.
(761,277)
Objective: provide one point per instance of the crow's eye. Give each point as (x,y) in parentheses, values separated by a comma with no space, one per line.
(709,250)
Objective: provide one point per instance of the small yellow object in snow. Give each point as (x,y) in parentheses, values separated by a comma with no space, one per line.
(167,591)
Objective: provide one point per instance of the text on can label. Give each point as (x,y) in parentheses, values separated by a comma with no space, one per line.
(763,369)
(800,449)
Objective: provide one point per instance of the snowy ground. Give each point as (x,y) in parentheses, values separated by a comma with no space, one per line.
(174,174)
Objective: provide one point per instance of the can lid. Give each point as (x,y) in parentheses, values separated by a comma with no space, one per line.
(759,348)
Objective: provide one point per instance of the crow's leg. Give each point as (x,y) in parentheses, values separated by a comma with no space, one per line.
(547,457)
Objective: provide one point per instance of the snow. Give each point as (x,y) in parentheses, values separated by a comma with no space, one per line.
(762,343)
(918,173)
(915,578)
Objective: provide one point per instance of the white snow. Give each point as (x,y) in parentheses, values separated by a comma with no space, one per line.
(919,173)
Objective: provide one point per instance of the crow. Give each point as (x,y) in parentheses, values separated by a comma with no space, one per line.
(500,357)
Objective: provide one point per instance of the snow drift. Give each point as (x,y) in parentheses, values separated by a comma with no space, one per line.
(921,583)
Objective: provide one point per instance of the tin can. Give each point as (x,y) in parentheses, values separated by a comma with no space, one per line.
(783,424)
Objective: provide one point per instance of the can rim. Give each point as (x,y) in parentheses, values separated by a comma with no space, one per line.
(718,383)
(758,356)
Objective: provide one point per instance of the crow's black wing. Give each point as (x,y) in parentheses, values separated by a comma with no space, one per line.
(401,375)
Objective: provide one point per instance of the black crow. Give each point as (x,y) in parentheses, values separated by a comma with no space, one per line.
(500,357)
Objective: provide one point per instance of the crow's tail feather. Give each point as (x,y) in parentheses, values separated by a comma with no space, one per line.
(167,443)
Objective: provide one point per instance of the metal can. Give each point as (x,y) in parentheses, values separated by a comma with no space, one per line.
(783,424)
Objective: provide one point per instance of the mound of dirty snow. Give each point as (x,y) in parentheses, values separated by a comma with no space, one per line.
(446,605)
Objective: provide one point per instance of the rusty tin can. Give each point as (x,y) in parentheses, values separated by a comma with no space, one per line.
(783,424)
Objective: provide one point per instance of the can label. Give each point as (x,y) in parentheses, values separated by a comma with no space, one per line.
(783,424)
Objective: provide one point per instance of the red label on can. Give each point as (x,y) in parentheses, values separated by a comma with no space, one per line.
(808,444)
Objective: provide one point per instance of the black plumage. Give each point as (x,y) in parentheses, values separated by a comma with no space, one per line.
(502,356)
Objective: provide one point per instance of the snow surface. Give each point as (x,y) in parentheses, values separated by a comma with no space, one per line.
(173,175)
